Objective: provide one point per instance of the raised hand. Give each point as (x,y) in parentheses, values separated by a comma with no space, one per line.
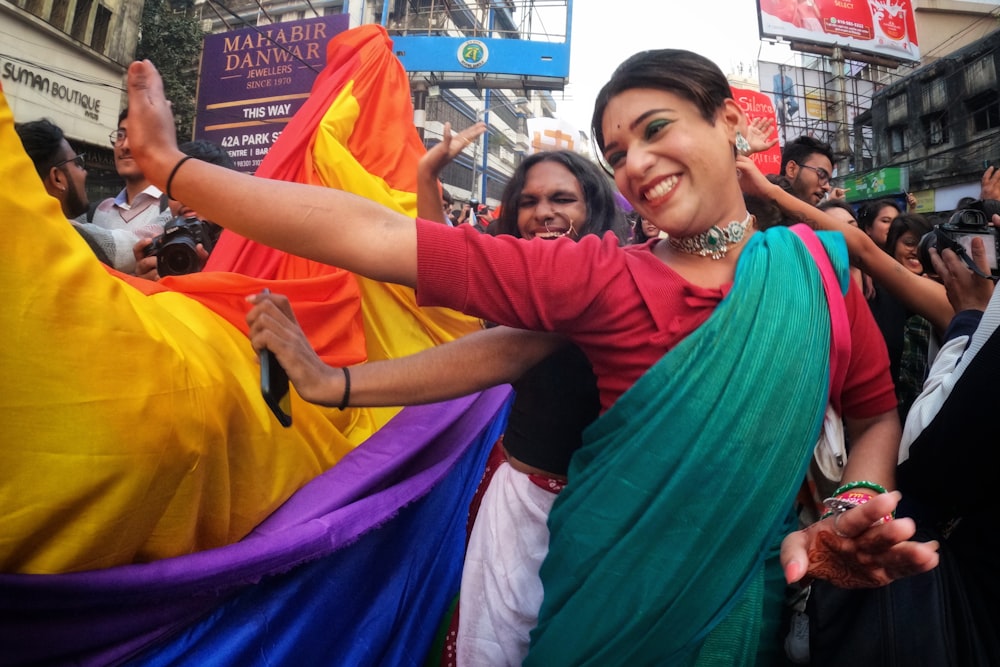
(443,152)
(758,131)
(990,184)
(152,135)
(856,549)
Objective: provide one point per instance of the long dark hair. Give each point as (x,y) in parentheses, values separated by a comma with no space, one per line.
(603,213)
(683,73)
(868,212)
(905,222)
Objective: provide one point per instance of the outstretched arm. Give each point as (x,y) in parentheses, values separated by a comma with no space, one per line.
(471,363)
(922,296)
(322,224)
(433,161)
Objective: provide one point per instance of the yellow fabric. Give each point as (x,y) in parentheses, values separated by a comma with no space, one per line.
(394,325)
(132,425)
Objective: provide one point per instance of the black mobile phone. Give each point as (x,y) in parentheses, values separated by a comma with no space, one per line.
(274,386)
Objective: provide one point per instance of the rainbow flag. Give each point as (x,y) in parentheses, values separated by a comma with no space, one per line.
(154,510)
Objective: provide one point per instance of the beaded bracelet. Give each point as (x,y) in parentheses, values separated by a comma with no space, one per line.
(874,486)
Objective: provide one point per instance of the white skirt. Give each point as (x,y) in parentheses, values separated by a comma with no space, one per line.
(501,590)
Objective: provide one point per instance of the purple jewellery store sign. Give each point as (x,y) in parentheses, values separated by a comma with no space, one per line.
(254,80)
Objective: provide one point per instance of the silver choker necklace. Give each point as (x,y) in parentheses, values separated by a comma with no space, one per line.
(715,242)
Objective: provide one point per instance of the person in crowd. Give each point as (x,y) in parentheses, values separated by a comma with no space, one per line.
(841,210)
(448,206)
(806,167)
(642,229)
(945,445)
(919,342)
(903,239)
(876,217)
(550,195)
(632,574)
(140,207)
(464,213)
(890,312)
(483,218)
(64,175)
(146,265)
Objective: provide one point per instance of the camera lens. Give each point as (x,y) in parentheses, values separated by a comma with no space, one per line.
(178,258)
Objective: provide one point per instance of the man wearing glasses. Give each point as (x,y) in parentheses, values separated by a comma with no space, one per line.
(64,175)
(807,164)
(140,207)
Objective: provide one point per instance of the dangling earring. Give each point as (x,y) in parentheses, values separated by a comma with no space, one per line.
(742,145)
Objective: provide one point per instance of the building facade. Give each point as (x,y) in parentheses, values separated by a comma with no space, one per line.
(65,60)
(941,124)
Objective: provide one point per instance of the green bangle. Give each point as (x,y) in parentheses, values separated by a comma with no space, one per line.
(853,485)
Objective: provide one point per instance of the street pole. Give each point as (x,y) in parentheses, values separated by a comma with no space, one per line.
(480,152)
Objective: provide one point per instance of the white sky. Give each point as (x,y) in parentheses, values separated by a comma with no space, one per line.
(606,33)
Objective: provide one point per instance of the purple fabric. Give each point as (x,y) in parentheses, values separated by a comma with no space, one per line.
(105,615)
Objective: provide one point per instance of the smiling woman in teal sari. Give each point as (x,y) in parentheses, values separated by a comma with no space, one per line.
(713,356)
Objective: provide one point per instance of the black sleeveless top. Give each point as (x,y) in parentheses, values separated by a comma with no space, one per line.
(554,401)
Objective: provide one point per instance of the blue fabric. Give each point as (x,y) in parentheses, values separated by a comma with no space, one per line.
(357,568)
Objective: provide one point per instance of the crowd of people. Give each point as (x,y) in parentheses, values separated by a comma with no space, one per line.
(670,469)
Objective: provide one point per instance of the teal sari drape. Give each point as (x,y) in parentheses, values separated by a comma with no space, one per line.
(682,488)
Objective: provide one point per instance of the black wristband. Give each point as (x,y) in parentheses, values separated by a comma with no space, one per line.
(173,172)
(347,389)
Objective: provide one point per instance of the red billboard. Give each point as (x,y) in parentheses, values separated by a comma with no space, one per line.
(880,27)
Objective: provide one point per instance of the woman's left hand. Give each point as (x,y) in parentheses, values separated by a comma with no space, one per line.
(856,549)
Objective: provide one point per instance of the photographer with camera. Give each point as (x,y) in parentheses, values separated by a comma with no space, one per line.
(187,240)
(139,208)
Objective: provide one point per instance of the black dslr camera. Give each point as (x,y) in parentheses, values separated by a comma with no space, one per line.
(175,247)
(957,234)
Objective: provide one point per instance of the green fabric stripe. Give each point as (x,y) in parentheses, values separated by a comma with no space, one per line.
(682,486)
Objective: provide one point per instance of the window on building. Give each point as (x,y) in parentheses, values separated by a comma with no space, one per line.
(99,37)
(81,16)
(896,108)
(936,128)
(60,9)
(935,94)
(984,110)
(897,139)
